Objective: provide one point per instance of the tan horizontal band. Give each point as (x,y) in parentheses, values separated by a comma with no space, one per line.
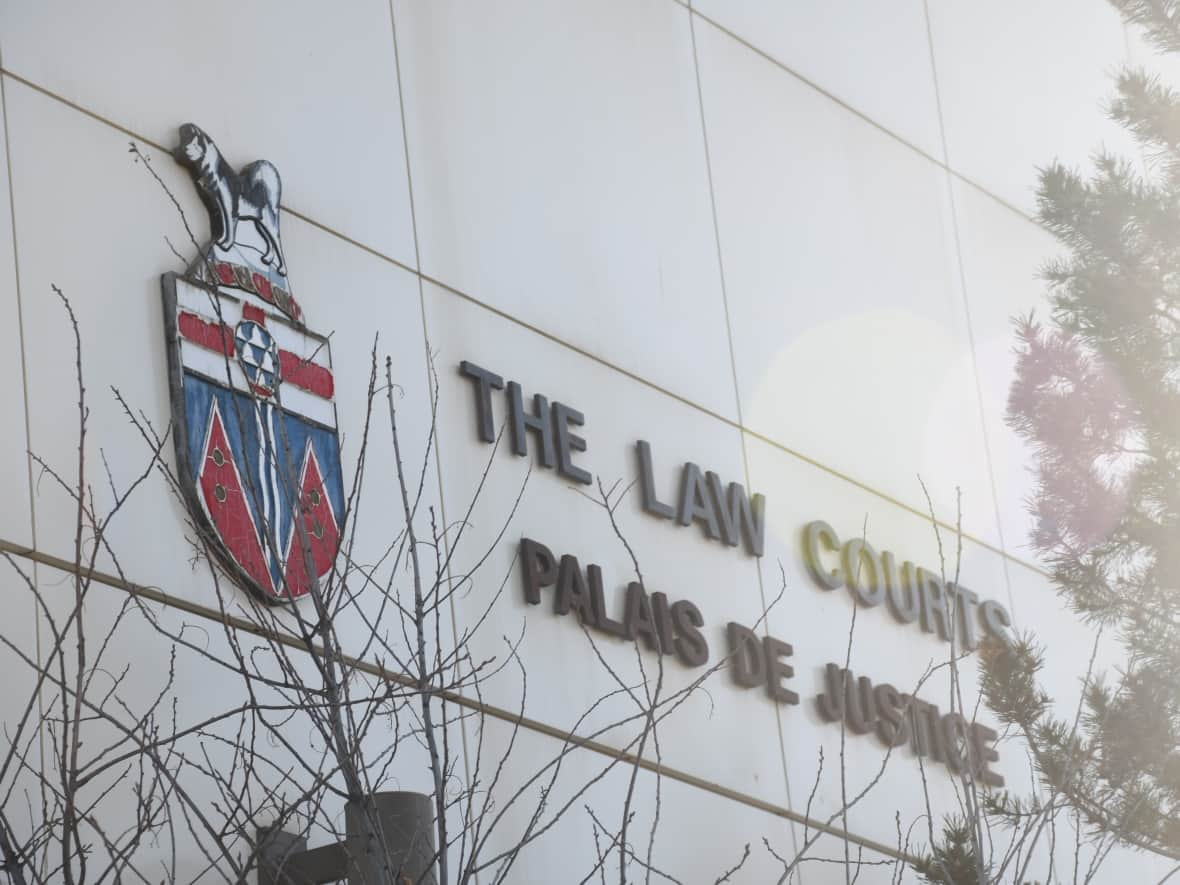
(157,595)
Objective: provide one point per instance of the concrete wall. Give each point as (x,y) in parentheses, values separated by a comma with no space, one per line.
(781,240)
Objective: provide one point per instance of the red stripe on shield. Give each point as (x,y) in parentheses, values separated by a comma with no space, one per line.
(293,369)
(307,375)
(214,336)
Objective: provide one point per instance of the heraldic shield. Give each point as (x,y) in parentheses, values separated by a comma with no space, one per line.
(253,407)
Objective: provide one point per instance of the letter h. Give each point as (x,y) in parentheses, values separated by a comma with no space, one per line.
(539,423)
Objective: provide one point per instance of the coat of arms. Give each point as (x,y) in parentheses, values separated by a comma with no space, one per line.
(253,406)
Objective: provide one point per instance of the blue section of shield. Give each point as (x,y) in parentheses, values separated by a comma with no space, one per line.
(241,426)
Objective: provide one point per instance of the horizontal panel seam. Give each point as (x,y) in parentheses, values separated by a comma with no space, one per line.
(569,346)
(155,594)
(861,115)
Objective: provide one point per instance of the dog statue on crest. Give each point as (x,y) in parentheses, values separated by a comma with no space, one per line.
(250,194)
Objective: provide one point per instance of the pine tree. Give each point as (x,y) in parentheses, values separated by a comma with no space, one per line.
(1097,395)
(951,860)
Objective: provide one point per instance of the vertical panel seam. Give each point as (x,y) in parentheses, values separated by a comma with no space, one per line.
(962,273)
(20,322)
(430,380)
(19,308)
(733,369)
(781,446)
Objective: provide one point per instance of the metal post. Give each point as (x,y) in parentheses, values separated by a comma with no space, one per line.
(276,851)
(400,841)
(389,841)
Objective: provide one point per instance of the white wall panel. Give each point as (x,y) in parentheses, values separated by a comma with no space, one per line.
(310,87)
(20,792)
(819,623)
(370,308)
(699,835)
(161,652)
(565,218)
(821,862)
(1002,255)
(1023,84)
(849,336)
(873,56)
(110,270)
(15,516)
(559,176)
(106,255)
(721,735)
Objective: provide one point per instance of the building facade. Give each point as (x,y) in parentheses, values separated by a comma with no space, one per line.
(739,247)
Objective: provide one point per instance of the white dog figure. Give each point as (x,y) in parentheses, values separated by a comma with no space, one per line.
(249,195)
